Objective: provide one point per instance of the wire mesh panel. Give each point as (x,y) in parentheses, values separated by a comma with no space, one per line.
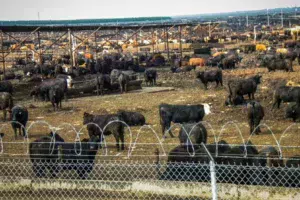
(107,180)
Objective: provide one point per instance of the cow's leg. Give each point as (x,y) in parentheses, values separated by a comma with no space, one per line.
(249,95)
(122,139)
(15,131)
(101,89)
(24,131)
(274,104)
(125,87)
(20,131)
(168,126)
(117,137)
(4,114)
(65,96)
(253,97)
(217,84)
(163,128)
(251,124)
(257,122)
(205,86)
(53,105)
(121,88)
(278,103)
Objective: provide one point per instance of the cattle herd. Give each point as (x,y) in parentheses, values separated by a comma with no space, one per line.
(55,80)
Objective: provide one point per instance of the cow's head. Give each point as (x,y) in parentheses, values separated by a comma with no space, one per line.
(206,109)
(87,118)
(94,143)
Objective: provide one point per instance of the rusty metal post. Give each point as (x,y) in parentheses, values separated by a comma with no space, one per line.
(71,49)
(164,36)
(3,55)
(117,38)
(180,42)
(40,51)
(168,50)
(152,41)
(137,49)
(95,40)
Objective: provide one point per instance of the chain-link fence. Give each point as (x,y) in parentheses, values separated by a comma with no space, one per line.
(45,167)
(52,178)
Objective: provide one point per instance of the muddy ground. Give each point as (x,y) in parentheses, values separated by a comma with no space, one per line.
(187,91)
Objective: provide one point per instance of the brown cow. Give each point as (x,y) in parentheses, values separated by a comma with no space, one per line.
(197,62)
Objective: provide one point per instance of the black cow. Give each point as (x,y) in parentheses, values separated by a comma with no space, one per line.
(115,128)
(255,115)
(123,80)
(192,134)
(181,114)
(227,63)
(150,76)
(268,156)
(56,95)
(132,118)
(293,111)
(44,153)
(19,119)
(6,86)
(238,100)
(103,82)
(59,70)
(9,76)
(243,86)
(43,89)
(6,103)
(82,162)
(210,76)
(286,94)
(53,154)
(278,64)
(78,71)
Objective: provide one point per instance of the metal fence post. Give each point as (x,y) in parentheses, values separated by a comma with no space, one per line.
(214,189)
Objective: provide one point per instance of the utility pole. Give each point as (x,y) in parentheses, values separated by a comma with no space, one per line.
(255,34)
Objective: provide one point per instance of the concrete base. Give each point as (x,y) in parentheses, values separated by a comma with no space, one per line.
(189,190)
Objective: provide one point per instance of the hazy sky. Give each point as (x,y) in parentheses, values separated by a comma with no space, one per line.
(80,9)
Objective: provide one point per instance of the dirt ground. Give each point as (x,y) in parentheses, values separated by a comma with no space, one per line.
(226,122)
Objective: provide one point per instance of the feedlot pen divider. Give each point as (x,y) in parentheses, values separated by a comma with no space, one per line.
(71,30)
